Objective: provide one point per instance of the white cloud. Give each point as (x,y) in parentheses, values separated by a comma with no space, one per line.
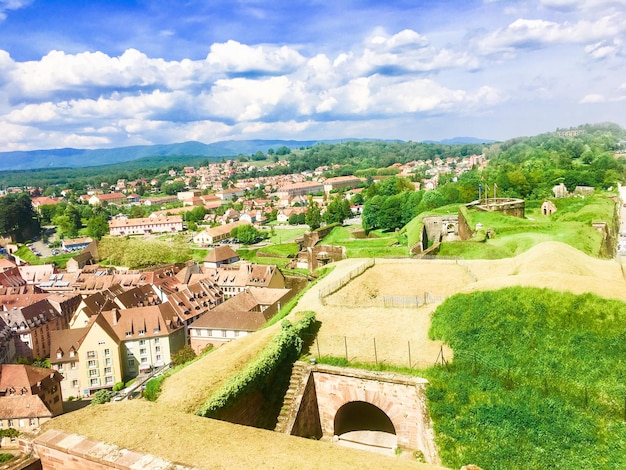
(402,53)
(12,5)
(582,5)
(538,33)
(234,57)
(605,49)
(593,98)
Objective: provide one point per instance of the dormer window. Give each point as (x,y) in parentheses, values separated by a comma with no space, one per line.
(59,354)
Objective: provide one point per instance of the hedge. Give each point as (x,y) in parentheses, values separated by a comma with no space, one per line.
(284,348)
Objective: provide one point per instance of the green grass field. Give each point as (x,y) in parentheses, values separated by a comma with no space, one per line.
(284,235)
(378,244)
(537,380)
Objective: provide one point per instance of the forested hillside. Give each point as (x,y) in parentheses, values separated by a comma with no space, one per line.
(526,167)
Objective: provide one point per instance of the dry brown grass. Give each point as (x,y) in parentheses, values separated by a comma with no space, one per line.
(189,388)
(553,265)
(206,443)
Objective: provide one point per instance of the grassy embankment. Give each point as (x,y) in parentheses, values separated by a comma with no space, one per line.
(571,224)
(537,380)
(377,244)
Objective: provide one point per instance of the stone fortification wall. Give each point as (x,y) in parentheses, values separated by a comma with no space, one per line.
(509,206)
(465,232)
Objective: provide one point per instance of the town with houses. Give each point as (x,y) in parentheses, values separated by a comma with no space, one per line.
(99,326)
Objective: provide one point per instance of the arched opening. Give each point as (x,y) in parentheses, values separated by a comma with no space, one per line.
(362,416)
(451,228)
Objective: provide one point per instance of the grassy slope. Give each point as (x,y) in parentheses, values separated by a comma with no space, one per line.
(571,224)
(546,389)
(379,244)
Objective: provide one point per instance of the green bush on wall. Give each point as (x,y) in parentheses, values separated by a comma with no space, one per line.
(284,348)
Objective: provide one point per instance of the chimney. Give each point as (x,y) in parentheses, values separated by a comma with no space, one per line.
(115,316)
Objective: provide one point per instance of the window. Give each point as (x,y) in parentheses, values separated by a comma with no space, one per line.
(93,373)
(11,423)
(92,363)
(107,352)
(73,365)
(144,360)
(33,421)
(75,383)
(107,370)
(142,342)
(129,352)
(224,333)
(72,353)
(59,355)
(107,361)
(131,363)
(91,353)
(101,343)
(108,380)
(60,368)
(156,340)
(142,351)
(94,382)
(142,332)
(158,349)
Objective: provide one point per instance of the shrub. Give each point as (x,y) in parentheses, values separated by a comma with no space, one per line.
(118,386)
(101,397)
(153,388)
(5,457)
(184,355)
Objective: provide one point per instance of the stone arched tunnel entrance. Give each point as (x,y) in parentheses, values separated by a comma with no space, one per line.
(363,423)
(377,409)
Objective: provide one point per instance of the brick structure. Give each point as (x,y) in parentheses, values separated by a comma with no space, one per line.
(401,399)
(59,450)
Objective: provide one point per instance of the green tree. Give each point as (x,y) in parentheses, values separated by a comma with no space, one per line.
(371,212)
(17,217)
(74,220)
(246,234)
(390,216)
(337,211)
(293,219)
(98,226)
(313,216)
(172,187)
(46,213)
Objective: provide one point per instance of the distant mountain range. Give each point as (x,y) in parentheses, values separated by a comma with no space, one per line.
(77,158)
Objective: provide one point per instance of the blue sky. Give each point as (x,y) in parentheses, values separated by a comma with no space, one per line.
(93,74)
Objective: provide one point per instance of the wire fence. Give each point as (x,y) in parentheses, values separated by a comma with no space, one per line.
(376,351)
(410,301)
